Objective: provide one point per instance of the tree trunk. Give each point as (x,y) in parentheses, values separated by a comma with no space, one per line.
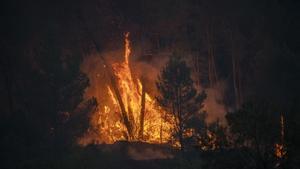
(119,98)
(109,71)
(212,72)
(142,113)
(182,146)
(6,69)
(235,69)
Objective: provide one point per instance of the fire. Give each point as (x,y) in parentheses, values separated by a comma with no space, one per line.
(131,113)
(212,140)
(280,151)
(127,48)
(126,110)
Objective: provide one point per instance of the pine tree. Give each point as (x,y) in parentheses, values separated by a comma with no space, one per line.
(179,96)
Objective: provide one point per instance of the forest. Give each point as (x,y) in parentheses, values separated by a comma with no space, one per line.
(152,84)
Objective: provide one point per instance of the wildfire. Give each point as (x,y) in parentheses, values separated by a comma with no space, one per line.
(280,151)
(131,113)
(126,110)
(127,48)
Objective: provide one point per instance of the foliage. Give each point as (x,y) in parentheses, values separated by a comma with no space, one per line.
(256,126)
(179,96)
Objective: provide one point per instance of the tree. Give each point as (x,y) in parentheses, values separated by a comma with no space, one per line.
(179,96)
(207,136)
(256,126)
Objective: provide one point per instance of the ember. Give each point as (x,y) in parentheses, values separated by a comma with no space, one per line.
(280,150)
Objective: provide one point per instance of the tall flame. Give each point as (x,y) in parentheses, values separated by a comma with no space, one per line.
(110,118)
(127,112)
(127,48)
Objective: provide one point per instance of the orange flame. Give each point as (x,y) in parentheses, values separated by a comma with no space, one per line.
(110,124)
(127,48)
(107,124)
(280,151)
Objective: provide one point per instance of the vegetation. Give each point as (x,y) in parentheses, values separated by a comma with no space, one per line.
(257,126)
(245,51)
(180,98)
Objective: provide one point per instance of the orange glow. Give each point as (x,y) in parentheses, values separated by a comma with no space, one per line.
(110,120)
(280,151)
(208,142)
(107,124)
(127,48)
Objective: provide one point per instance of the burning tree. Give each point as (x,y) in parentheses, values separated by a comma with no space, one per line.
(129,112)
(179,97)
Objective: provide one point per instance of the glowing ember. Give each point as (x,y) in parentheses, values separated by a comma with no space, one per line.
(280,151)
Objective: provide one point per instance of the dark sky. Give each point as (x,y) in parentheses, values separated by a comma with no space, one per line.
(26,17)
(259,22)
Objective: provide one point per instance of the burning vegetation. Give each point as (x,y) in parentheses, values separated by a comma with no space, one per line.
(195,84)
(280,149)
(131,113)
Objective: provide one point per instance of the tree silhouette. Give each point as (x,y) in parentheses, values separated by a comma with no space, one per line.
(256,126)
(179,96)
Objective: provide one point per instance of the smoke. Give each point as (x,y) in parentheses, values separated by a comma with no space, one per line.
(145,66)
(149,153)
(214,105)
(139,150)
(108,117)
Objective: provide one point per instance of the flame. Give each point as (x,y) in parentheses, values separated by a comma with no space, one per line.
(107,124)
(110,123)
(212,140)
(127,48)
(280,151)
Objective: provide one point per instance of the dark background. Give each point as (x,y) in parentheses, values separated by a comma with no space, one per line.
(44,42)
